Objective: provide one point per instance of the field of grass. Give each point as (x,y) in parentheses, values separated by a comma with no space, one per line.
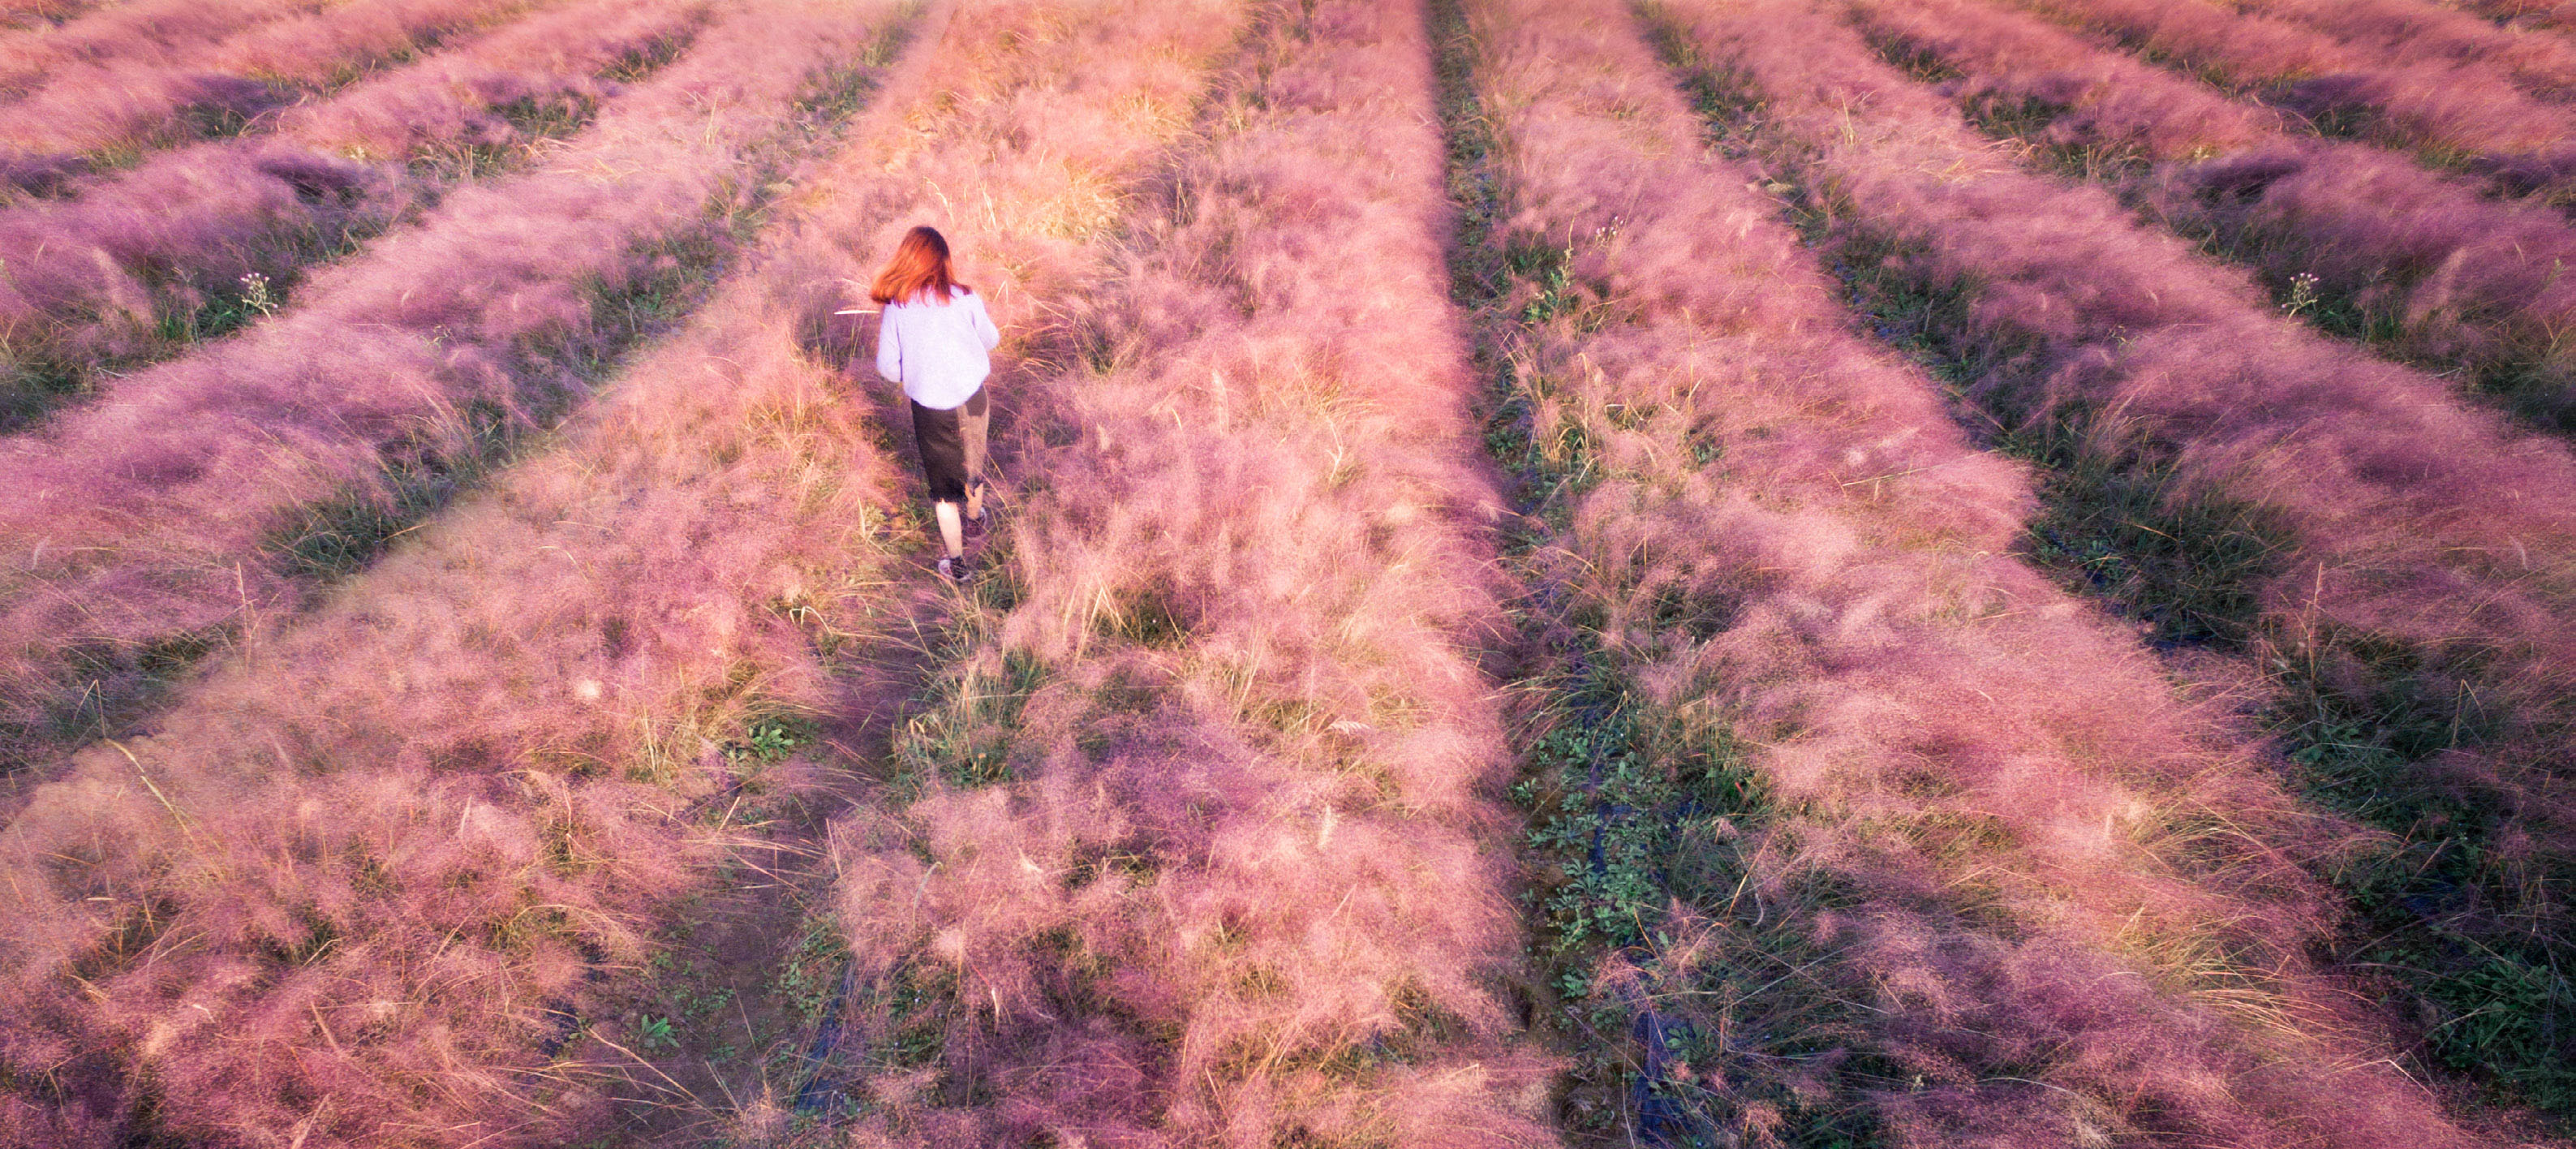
(1739,574)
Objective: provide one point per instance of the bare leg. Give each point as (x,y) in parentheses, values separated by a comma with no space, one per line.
(952,532)
(974,424)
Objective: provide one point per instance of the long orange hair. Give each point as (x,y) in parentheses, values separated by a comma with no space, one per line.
(920,265)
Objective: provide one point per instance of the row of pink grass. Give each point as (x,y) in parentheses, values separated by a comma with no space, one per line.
(2464,113)
(151,513)
(451,98)
(2526,14)
(1283,458)
(2417,31)
(341,892)
(1926,677)
(2408,516)
(2112,99)
(82,272)
(84,109)
(681,516)
(137,32)
(2476,279)
(39,13)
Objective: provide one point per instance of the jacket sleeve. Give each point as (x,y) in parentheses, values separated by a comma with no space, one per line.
(984,329)
(889,347)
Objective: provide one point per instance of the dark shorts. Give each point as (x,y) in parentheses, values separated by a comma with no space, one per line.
(952,445)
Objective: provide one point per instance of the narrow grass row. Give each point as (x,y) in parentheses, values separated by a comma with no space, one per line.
(477,95)
(16,14)
(134,268)
(104,116)
(1853,828)
(2365,245)
(201,500)
(390,862)
(2425,267)
(140,32)
(2230,479)
(1052,126)
(2416,31)
(2078,95)
(2461,116)
(1203,841)
(2526,14)
(603,669)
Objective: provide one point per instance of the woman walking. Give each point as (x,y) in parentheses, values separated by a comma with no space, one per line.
(933,340)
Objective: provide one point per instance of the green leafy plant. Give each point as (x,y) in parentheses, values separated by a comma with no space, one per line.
(657,1035)
(769,740)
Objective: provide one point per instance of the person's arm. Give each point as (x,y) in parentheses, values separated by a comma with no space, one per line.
(984,329)
(889,347)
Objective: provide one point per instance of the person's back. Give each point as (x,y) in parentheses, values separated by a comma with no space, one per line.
(937,348)
(933,338)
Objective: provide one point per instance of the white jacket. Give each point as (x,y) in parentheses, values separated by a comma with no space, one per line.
(937,350)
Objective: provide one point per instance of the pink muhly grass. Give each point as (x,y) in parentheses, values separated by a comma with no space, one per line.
(141,32)
(2250,49)
(397,836)
(543,665)
(2400,499)
(89,109)
(2111,101)
(2456,275)
(2526,14)
(93,109)
(328,950)
(1246,832)
(2398,519)
(30,13)
(95,276)
(90,113)
(159,511)
(2456,278)
(454,99)
(1918,677)
(2415,31)
(2458,113)
(328,48)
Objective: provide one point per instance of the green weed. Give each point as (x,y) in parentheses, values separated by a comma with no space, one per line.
(656,1035)
(965,729)
(770,739)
